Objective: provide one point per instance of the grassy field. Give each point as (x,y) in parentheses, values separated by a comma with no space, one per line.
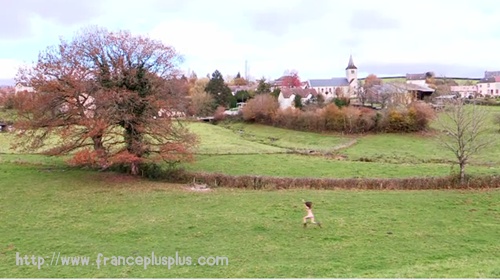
(244,149)
(48,211)
(360,156)
(291,140)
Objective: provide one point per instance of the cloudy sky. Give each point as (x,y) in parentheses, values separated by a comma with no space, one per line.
(459,38)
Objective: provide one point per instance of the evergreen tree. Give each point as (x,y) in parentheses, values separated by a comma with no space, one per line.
(219,90)
(263,87)
(298,101)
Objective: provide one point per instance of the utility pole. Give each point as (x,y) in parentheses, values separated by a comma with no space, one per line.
(246,70)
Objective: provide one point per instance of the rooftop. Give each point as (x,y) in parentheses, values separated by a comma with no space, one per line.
(333,82)
(303,92)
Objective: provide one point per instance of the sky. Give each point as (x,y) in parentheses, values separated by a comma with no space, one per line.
(265,38)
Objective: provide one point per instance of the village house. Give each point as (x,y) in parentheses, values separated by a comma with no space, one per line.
(287,96)
(416,79)
(20,87)
(490,84)
(465,91)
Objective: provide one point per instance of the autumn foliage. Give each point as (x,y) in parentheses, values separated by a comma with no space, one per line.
(261,109)
(291,79)
(97,97)
(346,119)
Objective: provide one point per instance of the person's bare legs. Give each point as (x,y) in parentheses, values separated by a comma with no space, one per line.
(314,222)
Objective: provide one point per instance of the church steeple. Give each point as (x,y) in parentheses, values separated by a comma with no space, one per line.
(351,64)
(351,73)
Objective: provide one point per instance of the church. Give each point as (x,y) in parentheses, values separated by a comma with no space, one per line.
(333,87)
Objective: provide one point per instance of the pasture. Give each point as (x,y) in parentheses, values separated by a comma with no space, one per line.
(264,150)
(49,208)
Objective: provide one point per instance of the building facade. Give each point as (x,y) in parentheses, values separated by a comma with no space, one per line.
(489,85)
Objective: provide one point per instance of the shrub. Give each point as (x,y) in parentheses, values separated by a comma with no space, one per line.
(276,183)
(219,114)
(348,119)
(351,115)
(286,118)
(202,104)
(332,117)
(420,114)
(260,109)
(396,120)
(341,101)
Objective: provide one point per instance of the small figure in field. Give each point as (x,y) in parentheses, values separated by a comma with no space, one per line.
(310,214)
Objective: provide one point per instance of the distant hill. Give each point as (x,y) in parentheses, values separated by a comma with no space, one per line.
(458,80)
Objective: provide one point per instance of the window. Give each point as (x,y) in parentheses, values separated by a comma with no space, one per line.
(488,85)
(496,91)
(352,71)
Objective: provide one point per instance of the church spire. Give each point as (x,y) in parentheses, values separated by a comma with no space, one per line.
(351,64)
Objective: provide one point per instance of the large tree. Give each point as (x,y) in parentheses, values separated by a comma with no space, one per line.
(99,94)
(219,90)
(464,130)
(371,80)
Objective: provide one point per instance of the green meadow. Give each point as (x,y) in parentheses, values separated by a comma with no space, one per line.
(50,210)
(59,211)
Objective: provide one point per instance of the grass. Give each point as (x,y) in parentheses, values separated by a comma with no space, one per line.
(250,149)
(216,140)
(7,114)
(298,140)
(314,166)
(48,208)
(375,234)
(363,156)
(393,80)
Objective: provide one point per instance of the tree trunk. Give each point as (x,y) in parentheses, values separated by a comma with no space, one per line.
(101,152)
(134,168)
(462,173)
(98,146)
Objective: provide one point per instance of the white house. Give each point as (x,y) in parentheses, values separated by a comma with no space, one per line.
(416,79)
(465,91)
(328,87)
(287,96)
(22,87)
(490,84)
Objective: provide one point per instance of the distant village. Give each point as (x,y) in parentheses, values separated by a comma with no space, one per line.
(416,86)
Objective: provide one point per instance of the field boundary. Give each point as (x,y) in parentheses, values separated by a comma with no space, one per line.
(215,180)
